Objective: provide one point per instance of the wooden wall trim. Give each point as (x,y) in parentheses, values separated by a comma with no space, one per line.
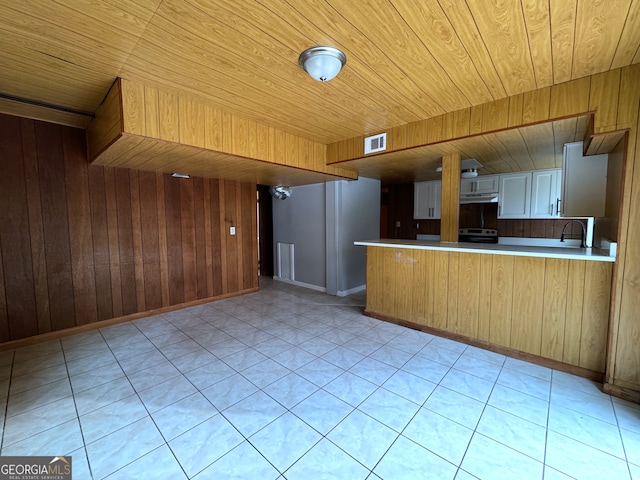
(46,337)
(48,114)
(628,394)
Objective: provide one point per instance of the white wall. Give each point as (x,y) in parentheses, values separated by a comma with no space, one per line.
(323,221)
(353,213)
(300,220)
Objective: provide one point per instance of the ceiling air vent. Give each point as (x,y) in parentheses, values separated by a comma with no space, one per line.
(375,143)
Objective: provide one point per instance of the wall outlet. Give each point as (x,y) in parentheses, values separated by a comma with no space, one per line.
(232,230)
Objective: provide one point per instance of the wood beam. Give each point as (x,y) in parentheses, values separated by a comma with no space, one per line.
(450,198)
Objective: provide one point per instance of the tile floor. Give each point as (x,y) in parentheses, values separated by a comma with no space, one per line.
(290,383)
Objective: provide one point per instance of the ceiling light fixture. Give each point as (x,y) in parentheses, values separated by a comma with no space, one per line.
(280,192)
(180,175)
(322,63)
(470,173)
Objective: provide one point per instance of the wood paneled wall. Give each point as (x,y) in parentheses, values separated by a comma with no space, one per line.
(553,308)
(81,243)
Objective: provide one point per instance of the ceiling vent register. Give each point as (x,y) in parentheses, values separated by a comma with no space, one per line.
(375,143)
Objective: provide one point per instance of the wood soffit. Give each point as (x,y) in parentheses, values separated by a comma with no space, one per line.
(533,147)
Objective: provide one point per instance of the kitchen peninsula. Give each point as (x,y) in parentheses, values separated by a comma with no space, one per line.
(546,304)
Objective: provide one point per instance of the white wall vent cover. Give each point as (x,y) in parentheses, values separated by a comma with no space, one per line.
(285,261)
(375,143)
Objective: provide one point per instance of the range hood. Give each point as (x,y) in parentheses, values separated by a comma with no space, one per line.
(466,198)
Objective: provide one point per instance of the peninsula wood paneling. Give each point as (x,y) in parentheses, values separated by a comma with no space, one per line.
(81,243)
(554,309)
(528,303)
(557,309)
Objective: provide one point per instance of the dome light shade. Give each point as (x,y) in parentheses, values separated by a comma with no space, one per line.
(322,63)
(280,192)
(470,173)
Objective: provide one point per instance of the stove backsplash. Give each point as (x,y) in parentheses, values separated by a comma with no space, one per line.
(470,216)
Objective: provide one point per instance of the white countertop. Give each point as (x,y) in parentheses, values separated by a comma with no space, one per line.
(593,254)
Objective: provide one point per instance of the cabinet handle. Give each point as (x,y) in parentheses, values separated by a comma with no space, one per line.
(551,209)
(557,206)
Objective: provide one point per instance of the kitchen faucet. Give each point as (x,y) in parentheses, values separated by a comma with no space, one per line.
(584,232)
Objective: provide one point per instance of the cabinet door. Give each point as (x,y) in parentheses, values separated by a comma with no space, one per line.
(545,200)
(487,184)
(436,199)
(427,200)
(514,199)
(467,185)
(481,184)
(421,200)
(584,188)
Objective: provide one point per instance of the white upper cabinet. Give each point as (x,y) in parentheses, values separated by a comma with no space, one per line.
(481,184)
(427,200)
(584,186)
(514,199)
(545,193)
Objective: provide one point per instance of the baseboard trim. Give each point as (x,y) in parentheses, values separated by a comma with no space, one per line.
(621,392)
(301,284)
(45,337)
(351,291)
(509,352)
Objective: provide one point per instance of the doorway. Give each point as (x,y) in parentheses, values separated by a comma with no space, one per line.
(265,231)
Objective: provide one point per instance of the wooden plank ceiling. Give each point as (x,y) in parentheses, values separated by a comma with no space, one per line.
(407,60)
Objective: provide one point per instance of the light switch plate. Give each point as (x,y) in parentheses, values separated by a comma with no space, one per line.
(232,230)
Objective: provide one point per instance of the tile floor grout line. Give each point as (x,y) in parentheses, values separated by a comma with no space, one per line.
(75,406)
(137,394)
